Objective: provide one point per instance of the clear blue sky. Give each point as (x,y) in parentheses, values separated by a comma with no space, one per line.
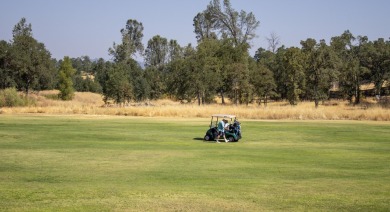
(89,27)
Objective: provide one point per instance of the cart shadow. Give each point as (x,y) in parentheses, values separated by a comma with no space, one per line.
(201,139)
(198,139)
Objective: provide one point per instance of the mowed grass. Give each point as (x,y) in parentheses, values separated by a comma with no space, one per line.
(103,163)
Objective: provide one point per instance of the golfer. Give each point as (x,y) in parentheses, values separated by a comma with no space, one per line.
(221,130)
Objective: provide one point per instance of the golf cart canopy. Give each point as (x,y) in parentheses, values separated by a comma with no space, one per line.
(224,116)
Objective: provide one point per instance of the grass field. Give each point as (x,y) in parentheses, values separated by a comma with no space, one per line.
(104,163)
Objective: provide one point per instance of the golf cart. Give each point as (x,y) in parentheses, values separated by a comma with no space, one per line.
(232,134)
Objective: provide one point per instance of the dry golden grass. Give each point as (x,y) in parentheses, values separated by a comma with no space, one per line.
(92,104)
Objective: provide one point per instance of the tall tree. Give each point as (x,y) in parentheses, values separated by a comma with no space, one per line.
(375,56)
(157,82)
(275,62)
(30,59)
(351,71)
(132,36)
(240,26)
(293,65)
(262,80)
(320,69)
(273,42)
(156,53)
(118,86)
(65,83)
(207,70)
(175,51)
(235,71)
(22,29)
(102,69)
(181,76)
(204,26)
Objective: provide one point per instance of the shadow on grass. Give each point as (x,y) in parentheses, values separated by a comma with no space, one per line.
(201,139)
(198,139)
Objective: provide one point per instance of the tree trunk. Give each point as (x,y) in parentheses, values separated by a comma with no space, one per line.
(222,97)
(198,98)
(27,90)
(265,101)
(378,87)
(357,94)
(236,97)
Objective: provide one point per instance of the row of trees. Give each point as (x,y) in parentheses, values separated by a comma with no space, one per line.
(220,64)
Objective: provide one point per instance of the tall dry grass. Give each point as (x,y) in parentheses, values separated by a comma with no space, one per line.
(89,103)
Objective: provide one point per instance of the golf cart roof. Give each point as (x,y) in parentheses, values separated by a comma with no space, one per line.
(224,116)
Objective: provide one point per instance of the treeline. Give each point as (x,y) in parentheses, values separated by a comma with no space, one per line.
(220,64)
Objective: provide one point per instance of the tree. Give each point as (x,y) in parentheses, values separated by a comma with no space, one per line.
(204,26)
(66,73)
(156,53)
(320,69)
(181,75)
(375,56)
(101,70)
(30,59)
(7,76)
(240,26)
(141,89)
(206,69)
(174,51)
(118,86)
(273,42)
(22,29)
(351,72)
(132,36)
(262,80)
(293,61)
(280,74)
(156,82)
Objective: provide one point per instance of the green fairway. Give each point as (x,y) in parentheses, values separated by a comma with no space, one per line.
(91,163)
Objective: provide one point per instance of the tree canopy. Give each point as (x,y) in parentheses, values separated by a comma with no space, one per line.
(219,65)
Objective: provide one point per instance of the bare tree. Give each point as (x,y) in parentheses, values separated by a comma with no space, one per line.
(240,26)
(273,42)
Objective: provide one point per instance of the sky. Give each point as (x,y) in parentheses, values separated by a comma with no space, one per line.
(77,28)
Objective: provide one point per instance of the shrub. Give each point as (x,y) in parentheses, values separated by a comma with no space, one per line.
(9,97)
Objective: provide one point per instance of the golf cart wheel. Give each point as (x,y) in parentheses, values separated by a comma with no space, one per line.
(207,138)
(231,139)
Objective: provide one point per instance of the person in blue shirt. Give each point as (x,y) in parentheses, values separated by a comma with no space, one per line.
(221,129)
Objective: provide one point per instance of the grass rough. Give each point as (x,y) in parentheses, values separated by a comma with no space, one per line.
(103,163)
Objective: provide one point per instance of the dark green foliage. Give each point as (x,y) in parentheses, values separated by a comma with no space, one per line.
(65,83)
(293,65)
(86,84)
(350,67)
(119,88)
(30,59)
(156,53)
(156,81)
(7,76)
(219,65)
(180,78)
(375,56)
(119,81)
(262,80)
(141,89)
(132,36)
(320,69)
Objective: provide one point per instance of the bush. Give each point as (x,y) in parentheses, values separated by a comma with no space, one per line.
(9,97)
